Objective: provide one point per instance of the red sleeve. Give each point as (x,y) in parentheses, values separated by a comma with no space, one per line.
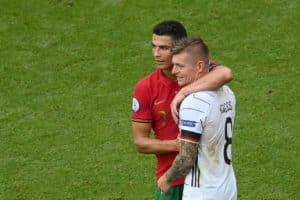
(141,105)
(212,65)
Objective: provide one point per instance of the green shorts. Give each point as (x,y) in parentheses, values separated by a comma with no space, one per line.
(175,193)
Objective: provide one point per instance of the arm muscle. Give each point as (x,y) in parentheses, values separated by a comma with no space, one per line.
(145,144)
(184,161)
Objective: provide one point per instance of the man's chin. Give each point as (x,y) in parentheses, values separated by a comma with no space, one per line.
(181,84)
(164,67)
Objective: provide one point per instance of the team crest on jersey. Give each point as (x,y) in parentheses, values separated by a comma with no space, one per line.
(135,105)
(188,123)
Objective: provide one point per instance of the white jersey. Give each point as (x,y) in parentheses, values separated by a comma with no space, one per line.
(210,114)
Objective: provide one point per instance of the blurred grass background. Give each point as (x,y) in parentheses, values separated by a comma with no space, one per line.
(68,69)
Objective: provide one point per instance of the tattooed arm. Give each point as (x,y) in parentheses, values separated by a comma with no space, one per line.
(181,165)
(183,162)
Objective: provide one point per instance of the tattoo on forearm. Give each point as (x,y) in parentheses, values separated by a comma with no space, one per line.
(184,161)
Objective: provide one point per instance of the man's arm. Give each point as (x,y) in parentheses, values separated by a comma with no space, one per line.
(181,166)
(145,144)
(219,76)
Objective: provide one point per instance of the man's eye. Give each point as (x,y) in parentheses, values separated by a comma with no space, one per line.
(165,48)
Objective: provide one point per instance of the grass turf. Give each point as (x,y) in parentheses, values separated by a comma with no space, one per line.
(67,71)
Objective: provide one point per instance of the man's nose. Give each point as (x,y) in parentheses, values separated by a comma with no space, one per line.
(156,52)
(174,69)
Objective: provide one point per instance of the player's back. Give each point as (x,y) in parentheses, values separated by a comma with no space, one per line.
(213,177)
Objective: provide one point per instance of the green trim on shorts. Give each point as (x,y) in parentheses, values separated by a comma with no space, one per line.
(175,193)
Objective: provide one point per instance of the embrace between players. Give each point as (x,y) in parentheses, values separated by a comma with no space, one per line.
(193,152)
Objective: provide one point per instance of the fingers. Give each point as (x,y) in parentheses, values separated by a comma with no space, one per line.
(165,193)
(175,105)
(175,116)
(163,186)
(164,190)
(174,111)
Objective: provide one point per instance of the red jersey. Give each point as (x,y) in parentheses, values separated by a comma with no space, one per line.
(151,101)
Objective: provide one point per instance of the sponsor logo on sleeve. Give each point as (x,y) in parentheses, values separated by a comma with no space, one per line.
(135,105)
(188,123)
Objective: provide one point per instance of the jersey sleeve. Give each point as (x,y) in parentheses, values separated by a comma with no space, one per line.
(192,116)
(141,103)
(212,65)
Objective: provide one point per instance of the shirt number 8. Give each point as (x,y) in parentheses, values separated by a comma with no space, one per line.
(228,139)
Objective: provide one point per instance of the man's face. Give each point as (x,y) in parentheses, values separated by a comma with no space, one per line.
(161,49)
(185,69)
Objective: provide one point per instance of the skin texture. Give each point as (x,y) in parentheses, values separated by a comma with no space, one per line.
(145,144)
(219,76)
(181,165)
(187,70)
(161,50)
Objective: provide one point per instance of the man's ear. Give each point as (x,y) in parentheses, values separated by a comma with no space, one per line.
(200,66)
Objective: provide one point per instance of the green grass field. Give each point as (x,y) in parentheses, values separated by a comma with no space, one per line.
(67,72)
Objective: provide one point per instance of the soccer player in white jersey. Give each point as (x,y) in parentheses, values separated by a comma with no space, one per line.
(206,121)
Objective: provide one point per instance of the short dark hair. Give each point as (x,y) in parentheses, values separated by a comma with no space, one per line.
(170,28)
(194,46)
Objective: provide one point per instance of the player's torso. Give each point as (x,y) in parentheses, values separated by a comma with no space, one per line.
(213,167)
(163,92)
(163,124)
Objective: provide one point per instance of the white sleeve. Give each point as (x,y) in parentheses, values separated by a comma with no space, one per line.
(193,112)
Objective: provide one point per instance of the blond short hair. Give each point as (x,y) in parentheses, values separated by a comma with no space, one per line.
(194,46)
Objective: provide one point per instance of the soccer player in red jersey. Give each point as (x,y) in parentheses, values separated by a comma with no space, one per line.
(153,96)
